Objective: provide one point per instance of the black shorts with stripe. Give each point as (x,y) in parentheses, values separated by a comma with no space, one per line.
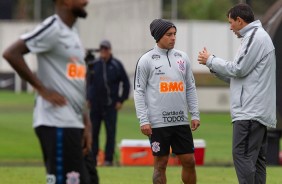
(62,153)
(178,138)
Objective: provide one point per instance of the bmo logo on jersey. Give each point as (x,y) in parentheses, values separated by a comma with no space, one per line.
(171,87)
(75,70)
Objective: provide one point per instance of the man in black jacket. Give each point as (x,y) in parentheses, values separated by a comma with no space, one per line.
(103,86)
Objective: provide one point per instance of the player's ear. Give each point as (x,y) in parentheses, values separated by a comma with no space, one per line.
(240,20)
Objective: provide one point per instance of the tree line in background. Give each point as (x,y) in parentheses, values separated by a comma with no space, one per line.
(210,9)
(26,9)
(186,9)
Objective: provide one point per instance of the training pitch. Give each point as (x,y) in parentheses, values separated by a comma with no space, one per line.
(20,156)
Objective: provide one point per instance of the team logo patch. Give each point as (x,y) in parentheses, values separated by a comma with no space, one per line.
(50,179)
(177,54)
(156,147)
(73,178)
(181,65)
(156,57)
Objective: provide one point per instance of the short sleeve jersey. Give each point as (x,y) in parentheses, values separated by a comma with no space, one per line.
(61,68)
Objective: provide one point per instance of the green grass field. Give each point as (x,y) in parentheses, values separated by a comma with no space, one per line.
(19,144)
(20,155)
(135,175)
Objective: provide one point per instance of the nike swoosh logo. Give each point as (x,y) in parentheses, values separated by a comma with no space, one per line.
(158,67)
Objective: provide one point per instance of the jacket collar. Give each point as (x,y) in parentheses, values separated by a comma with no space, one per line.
(249,27)
(108,61)
(162,51)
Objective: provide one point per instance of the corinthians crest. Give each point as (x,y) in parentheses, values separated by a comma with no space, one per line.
(181,65)
(156,147)
(73,178)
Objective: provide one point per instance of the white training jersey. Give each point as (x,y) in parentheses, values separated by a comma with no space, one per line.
(61,68)
(164,89)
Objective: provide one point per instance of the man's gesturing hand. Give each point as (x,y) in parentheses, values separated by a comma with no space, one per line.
(203,56)
(146,129)
(195,124)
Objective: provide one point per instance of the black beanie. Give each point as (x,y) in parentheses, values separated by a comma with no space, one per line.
(159,27)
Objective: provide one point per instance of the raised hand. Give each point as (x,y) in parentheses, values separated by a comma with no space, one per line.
(203,56)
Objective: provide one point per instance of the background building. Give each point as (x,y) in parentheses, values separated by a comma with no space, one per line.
(126,24)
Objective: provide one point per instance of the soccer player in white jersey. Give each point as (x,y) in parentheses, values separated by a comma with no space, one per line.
(60,120)
(164,93)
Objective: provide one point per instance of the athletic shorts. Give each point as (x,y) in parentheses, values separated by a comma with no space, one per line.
(178,138)
(62,153)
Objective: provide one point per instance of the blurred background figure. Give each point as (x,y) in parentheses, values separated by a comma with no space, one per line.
(89,61)
(105,76)
(60,120)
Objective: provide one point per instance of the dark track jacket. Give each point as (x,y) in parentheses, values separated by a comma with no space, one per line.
(103,82)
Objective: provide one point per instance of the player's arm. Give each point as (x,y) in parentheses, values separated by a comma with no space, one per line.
(192,98)
(140,83)
(125,84)
(89,85)
(87,132)
(14,54)
(221,77)
(248,57)
(125,87)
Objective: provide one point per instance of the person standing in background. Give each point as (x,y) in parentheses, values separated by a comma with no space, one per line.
(106,74)
(252,78)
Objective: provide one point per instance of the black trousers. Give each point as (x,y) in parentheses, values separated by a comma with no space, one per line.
(109,116)
(91,169)
(249,151)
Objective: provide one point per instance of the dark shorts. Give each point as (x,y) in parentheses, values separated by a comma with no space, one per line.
(62,153)
(179,138)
